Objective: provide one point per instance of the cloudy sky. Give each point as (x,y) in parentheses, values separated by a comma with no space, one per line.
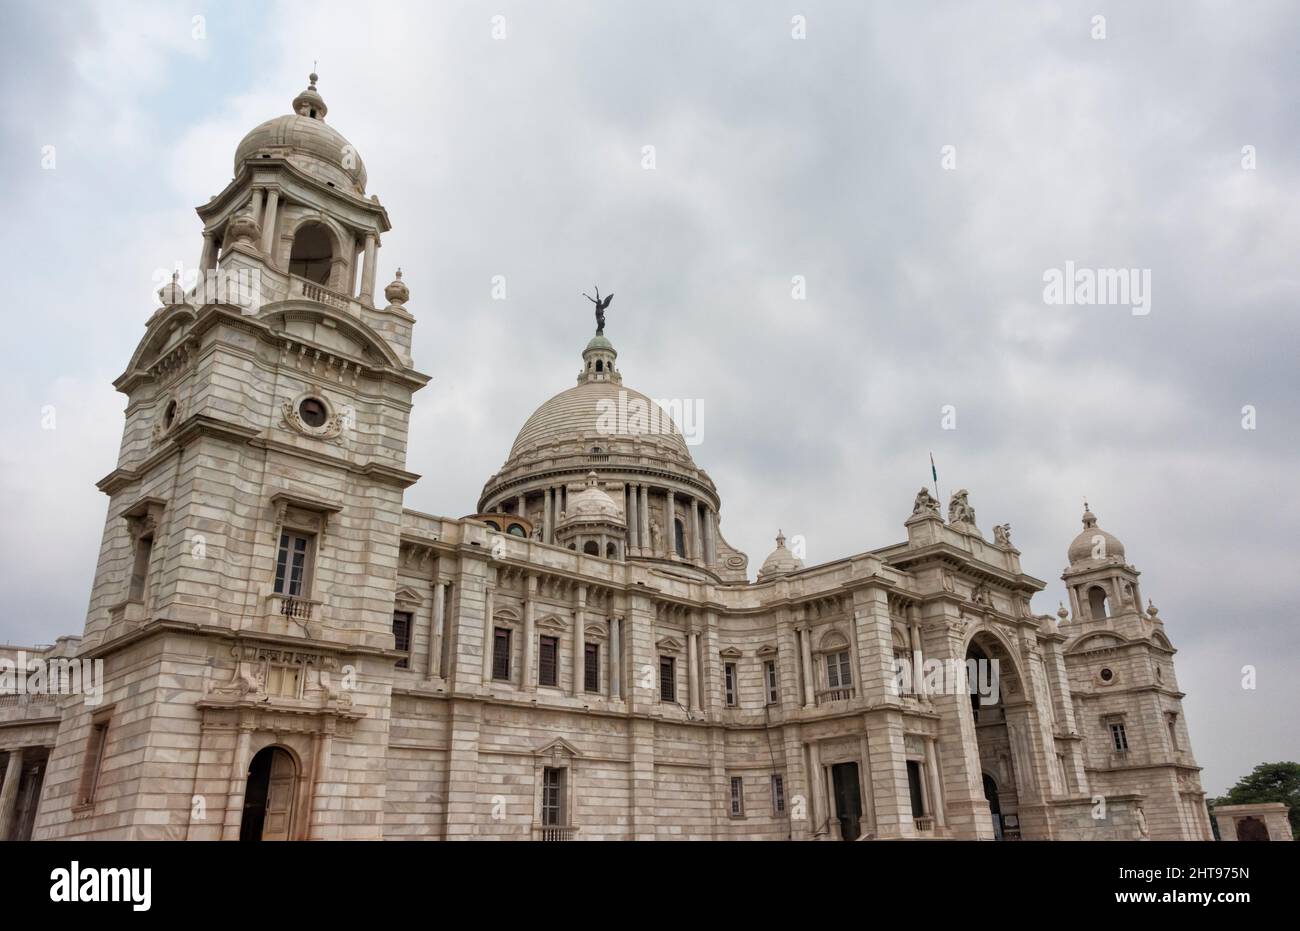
(774,157)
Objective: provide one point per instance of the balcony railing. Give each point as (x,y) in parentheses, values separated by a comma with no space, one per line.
(310,290)
(555,832)
(300,609)
(829,695)
(22,699)
(923,825)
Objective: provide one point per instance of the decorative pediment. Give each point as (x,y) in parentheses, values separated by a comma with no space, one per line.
(408,596)
(730,653)
(557,750)
(596,632)
(552,623)
(1097,641)
(768,650)
(833,640)
(507,614)
(669,645)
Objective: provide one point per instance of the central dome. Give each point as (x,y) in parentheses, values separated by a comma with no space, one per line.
(598,414)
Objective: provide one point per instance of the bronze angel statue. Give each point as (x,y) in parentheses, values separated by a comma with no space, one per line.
(601,304)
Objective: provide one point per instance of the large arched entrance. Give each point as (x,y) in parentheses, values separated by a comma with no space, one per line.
(313,251)
(1251,829)
(269,796)
(992,677)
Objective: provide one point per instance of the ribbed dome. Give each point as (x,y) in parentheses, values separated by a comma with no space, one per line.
(584,414)
(309,143)
(780,562)
(1093,539)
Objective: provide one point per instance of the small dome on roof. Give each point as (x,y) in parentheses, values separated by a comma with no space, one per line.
(781,562)
(1093,543)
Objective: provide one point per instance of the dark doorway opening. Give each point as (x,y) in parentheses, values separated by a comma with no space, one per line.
(991,795)
(268,797)
(848,799)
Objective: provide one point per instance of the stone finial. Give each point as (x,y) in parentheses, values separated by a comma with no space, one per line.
(172,294)
(780,540)
(310,103)
(397,292)
(1062,613)
(1152,610)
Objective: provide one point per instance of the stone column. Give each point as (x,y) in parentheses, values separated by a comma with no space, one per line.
(693,670)
(936,780)
(710,537)
(633,533)
(208,259)
(670,523)
(526,678)
(918,655)
(697,539)
(255,205)
(367,295)
(805,649)
(268,225)
(579,640)
(547,524)
(317,828)
(436,629)
(821,812)
(238,783)
(9,793)
(521,505)
(645,519)
(489,631)
(615,660)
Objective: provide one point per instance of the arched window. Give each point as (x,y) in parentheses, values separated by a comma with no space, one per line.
(679,537)
(494,525)
(312,252)
(591,548)
(611,551)
(1097,601)
(600,366)
(516,530)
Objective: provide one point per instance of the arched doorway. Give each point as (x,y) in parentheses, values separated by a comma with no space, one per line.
(313,251)
(269,796)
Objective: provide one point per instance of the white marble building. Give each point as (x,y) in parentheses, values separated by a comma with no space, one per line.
(288,652)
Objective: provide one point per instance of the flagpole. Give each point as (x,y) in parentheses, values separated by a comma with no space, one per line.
(934,473)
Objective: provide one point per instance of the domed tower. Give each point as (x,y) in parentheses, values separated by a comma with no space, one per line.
(1120,664)
(592,523)
(253,531)
(1100,582)
(295,220)
(667,505)
(780,562)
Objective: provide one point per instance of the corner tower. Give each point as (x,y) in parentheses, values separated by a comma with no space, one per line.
(1120,664)
(242,603)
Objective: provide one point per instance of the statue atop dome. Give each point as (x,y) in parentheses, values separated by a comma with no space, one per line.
(600,309)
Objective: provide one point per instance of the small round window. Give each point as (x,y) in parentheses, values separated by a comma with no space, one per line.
(312,411)
(516,530)
(1106,674)
(169,415)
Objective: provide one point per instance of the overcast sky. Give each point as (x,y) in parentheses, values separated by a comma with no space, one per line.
(775,157)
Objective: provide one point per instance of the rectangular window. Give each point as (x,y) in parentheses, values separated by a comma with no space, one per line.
(729,682)
(667,679)
(501,654)
(839,671)
(547,654)
(914,788)
(1118,739)
(737,797)
(402,637)
(591,667)
(552,797)
(93,761)
(291,565)
(778,795)
(769,676)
